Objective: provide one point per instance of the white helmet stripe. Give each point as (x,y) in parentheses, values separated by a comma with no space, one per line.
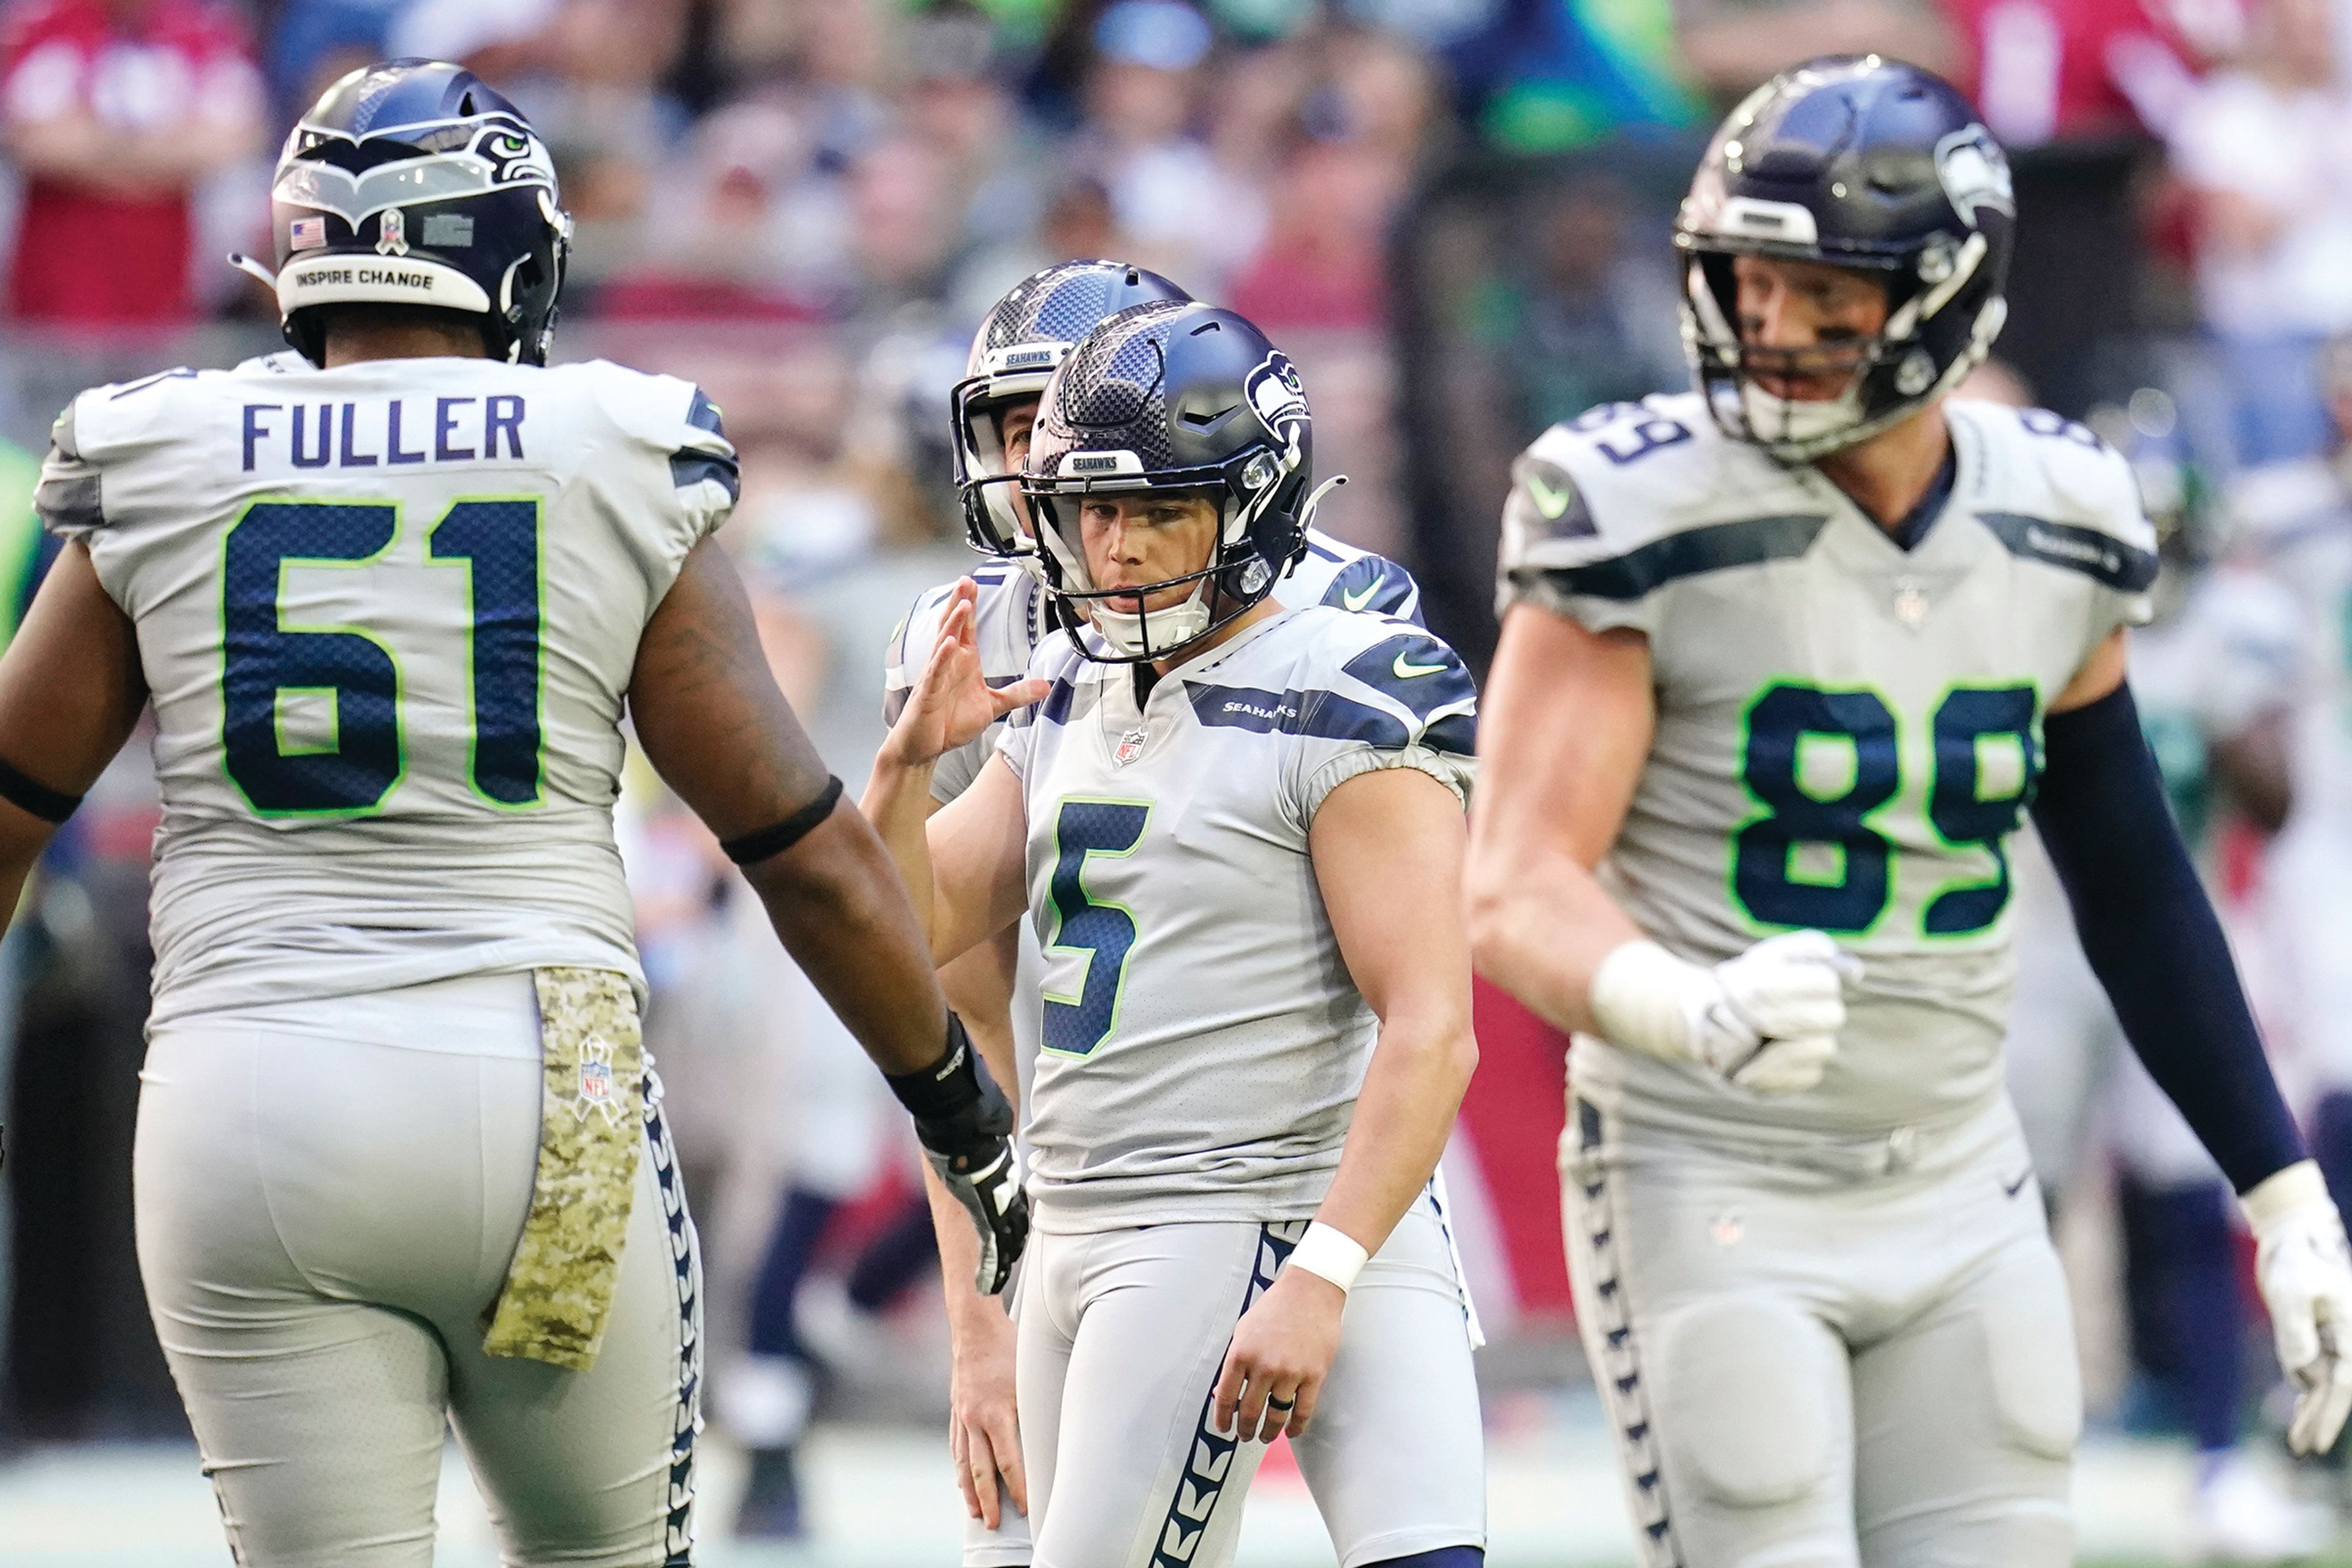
(347,279)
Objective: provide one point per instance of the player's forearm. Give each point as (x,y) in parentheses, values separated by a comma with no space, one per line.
(958,1259)
(838,908)
(1539,926)
(1404,1113)
(2150,932)
(898,802)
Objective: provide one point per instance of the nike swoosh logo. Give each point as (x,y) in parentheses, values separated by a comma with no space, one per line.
(1549,500)
(1406,671)
(1357,601)
(2011,1189)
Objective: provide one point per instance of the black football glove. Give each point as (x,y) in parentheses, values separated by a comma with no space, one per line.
(965,1126)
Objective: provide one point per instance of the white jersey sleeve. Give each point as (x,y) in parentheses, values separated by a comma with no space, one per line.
(1593,534)
(1344,578)
(388,614)
(1402,700)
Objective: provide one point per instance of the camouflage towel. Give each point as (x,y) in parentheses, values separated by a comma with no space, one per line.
(591,1123)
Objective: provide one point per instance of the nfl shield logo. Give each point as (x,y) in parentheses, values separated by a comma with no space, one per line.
(310,234)
(596,1082)
(1910,604)
(392,239)
(1129,747)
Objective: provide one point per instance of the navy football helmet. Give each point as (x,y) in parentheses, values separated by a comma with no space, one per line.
(1015,351)
(414,181)
(1174,396)
(1862,163)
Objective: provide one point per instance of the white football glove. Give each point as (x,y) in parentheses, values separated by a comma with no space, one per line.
(1766,1019)
(2304,1270)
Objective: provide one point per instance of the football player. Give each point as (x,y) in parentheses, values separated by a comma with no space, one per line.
(992,413)
(399,1162)
(1235,830)
(1792,654)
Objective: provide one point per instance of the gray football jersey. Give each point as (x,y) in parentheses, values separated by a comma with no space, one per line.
(1847,730)
(1009,621)
(388,613)
(1202,1042)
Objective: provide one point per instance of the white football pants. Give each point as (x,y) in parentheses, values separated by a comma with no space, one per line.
(1123,1333)
(1842,1355)
(327,1194)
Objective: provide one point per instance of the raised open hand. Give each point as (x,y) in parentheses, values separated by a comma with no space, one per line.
(951,704)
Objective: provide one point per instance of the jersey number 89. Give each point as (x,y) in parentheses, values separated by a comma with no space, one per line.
(1764,878)
(347,677)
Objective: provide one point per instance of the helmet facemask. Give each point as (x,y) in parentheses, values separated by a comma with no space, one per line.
(1247,490)
(1889,376)
(986,480)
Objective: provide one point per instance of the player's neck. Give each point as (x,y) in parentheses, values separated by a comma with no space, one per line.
(353,343)
(1220,636)
(1888,475)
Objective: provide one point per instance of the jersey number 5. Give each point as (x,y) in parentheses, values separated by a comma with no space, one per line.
(1852,889)
(1100,935)
(345,681)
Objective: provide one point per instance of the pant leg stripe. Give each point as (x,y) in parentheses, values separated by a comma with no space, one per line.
(678,1531)
(1212,1456)
(1620,1374)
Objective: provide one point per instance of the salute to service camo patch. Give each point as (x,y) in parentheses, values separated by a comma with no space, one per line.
(559,1287)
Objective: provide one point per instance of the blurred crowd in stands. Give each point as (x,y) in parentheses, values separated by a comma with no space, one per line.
(1455,214)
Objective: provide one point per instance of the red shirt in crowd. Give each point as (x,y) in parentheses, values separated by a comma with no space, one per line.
(2045,69)
(86,254)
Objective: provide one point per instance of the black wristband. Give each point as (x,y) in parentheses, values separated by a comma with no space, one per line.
(780,836)
(948,1087)
(49,804)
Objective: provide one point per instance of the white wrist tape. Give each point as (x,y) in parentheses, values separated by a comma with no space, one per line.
(2282,1192)
(1331,1254)
(1639,999)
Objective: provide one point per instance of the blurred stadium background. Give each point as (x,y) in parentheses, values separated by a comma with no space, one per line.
(1454,215)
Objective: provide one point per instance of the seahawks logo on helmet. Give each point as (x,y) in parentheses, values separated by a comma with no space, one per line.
(1975,173)
(1277,395)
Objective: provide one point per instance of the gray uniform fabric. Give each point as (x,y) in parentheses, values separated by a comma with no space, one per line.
(327,1196)
(1864,1355)
(1122,1335)
(1845,728)
(1832,1326)
(388,613)
(1201,1042)
(1009,623)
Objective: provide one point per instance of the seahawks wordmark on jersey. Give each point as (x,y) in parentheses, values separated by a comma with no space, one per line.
(1847,730)
(1009,622)
(388,613)
(1202,1041)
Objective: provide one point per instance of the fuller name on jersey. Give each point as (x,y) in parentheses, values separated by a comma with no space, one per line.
(1009,622)
(388,613)
(1202,1043)
(1847,730)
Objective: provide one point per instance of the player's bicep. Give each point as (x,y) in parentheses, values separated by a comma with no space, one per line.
(2101,674)
(707,708)
(1388,848)
(70,682)
(1563,734)
(979,846)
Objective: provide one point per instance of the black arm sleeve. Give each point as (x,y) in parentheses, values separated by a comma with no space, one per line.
(2149,931)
